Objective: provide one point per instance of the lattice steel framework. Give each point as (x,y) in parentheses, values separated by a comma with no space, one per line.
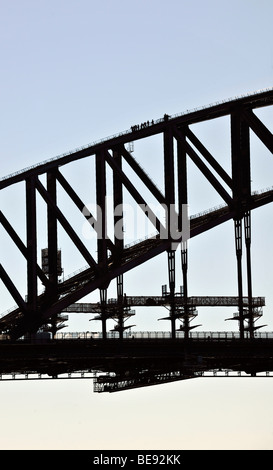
(113,258)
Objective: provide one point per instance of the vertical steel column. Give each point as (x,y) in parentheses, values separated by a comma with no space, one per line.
(119,238)
(120,287)
(183,200)
(170,206)
(31,245)
(101,235)
(247,221)
(52,238)
(103,303)
(240,148)
(171,266)
(101,209)
(118,208)
(120,305)
(238,246)
(169,176)
(241,177)
(184,261)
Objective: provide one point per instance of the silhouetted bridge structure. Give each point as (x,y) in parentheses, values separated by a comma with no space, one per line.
(125,361)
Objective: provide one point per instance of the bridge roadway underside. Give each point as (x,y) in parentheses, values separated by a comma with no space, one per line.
(130,357)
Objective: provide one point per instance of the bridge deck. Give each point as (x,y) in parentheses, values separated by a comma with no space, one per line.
(133,356)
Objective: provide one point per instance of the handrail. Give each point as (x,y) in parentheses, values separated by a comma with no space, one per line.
(130,131)
(201,335)
(131,335)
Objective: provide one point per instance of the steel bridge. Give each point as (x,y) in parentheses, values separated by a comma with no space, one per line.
(23,346)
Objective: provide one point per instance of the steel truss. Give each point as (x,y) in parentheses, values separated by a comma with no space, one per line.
(113,258)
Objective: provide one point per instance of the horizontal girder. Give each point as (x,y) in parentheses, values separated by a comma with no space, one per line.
(136,358)
(151,301)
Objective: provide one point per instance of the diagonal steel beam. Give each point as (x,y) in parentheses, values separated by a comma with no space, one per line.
(207,155)
(203,168)
(80,205)
(12,289)
(142,175)
(135,194)
(262,132)
(67,227)
(13,234)
(94,284)
(20,245)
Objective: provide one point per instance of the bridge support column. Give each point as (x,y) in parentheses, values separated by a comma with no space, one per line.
(103,301)
(247,221)
(241,176)
(31,245)
(171,266)
(119,237)
(52,237)
(238,245)
(120,306)
(170,201)
(184,259)
(182,202)
(102,235)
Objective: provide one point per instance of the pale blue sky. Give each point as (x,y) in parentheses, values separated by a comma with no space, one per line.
(73,72)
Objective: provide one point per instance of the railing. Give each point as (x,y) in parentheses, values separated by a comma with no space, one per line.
(129,131)
(202,335)
(205,301)
(213,336)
